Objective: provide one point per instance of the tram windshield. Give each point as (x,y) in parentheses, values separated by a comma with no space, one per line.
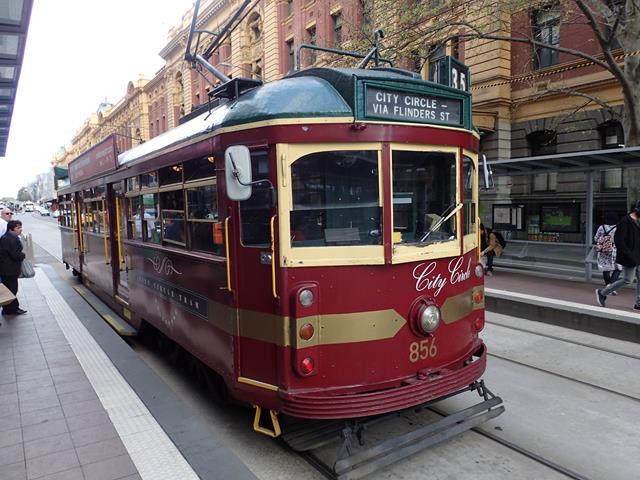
(336,199)
(424,193)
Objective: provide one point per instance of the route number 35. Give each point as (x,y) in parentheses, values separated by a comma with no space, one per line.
(422,350)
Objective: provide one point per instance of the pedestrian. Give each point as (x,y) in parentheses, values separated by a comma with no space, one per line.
(5,215)
(606,249)
(627,240)
(490,247)
(11,258)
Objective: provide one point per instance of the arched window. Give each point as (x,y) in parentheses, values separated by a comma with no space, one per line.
(611,134)
(254,25)
(542,142)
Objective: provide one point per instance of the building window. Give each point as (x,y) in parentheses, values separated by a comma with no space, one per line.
(546,29)
(255,27)
(256,69)
(436,53)
(289,7)
(545,182)
(542,142)
(290,55)
(336,19)
(611,135)
(611,179)
(311,40)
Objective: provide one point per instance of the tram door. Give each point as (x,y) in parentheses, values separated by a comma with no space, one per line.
(118,246)
(254,292)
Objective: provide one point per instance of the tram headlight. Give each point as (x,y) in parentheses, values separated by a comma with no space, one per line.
(429,318)
(306,298)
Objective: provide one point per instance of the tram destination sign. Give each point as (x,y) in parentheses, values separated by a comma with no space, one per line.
(412,107)
(99,159)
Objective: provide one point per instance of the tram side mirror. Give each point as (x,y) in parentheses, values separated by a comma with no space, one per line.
(237,166)
(487,173)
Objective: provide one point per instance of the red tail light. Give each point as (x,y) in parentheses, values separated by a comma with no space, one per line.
(478,324)
(307,365)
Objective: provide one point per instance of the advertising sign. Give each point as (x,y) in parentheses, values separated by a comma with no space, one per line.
(100,158)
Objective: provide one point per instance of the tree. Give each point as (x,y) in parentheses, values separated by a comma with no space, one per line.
(414,28)
(24,195)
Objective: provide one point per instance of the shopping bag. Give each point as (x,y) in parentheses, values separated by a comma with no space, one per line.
(6,297)
(27,271)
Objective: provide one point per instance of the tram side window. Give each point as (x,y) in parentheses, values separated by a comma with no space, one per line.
(205,229)
(468,177)
(424,193)
(151,223)
(134,225)
(149,180)
(172,217)
(255,213)
(96,213)
(336,199)
(171,175)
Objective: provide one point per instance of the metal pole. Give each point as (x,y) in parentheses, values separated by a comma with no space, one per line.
(588,238)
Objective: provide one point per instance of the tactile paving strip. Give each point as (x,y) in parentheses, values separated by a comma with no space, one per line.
(149,447)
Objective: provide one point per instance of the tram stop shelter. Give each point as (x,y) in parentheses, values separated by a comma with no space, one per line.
(548,207)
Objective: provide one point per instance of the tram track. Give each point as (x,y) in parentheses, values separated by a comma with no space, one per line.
(565,377)
(522,451)
(561,339)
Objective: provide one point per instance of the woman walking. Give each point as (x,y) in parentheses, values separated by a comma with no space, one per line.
(11,258)
(606,249)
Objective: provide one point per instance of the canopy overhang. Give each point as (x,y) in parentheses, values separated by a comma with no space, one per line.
(14,24)
(593,160)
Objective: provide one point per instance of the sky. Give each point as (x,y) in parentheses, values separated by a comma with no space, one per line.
(78,52)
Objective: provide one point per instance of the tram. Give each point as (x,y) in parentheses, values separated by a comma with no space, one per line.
(313,240)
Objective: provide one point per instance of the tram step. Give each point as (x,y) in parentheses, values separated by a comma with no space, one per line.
(111,317)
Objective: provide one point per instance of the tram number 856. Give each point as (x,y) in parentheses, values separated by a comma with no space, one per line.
(422,350)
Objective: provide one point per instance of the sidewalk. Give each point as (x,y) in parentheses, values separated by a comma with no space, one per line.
(67,412)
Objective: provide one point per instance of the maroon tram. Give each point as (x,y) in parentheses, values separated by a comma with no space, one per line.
(313,240)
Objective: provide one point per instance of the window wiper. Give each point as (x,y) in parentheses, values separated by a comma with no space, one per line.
(443,219)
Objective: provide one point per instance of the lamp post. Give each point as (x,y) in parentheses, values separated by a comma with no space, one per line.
(244,69)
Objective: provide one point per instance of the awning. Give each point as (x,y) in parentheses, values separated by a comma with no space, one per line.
(14,24)
(568,162)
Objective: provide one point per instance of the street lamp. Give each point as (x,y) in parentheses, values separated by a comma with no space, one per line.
(244,69)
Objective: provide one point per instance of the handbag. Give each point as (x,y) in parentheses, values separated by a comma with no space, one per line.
(6,297)
(27,270)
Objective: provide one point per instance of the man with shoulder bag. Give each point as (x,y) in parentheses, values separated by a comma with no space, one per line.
(11,257)
(627,240)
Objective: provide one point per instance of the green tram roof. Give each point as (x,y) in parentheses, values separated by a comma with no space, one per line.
(309,93)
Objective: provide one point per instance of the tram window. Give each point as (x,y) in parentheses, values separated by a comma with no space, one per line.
(199,168)
(255,213)
(96,213)
(468,176)
(424,186)
(336,199)
(151,224)
(172,216)
(149,180)
(205,230)
(133,184)
(134,225)
(171,175)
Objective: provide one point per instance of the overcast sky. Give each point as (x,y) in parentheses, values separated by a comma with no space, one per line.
(79,52)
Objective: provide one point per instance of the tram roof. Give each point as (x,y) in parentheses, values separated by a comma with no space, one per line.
(286,98)
(313,92)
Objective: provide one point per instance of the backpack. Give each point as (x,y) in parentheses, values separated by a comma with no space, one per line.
(605,242)
(500,239)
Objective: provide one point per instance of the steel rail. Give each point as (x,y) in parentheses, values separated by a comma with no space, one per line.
(523,451)
(540,369)
(574,342)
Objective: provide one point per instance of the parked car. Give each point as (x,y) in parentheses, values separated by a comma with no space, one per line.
(45,212)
